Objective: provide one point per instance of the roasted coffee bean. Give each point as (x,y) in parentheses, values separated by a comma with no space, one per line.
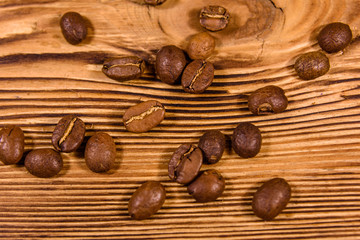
(214,18)
(11,144)
(146,200)
(124,68)
(246,140)
(73,27)
(44,162)
(312,65)
(271,198)
(335,37)
(201,46)
(212,144)
(100,152)
(267,100)
(197,76)
(68,134)
(208,186)
(170,63)
(144,116)
(154,2)
(185,163)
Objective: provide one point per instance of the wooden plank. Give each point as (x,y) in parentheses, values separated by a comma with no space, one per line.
(314,144)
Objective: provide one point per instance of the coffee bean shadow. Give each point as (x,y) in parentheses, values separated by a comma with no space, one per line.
(29,147)
(119,156)
(90,31)
(228,145)
(65,168)
(194,21)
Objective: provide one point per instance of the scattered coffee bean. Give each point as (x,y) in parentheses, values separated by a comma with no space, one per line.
(100,152)
(335,37)
(246,140)
(68,134)
(267,100)
(207,187)
(124,68)
(154,2)
(11,144)
(312,65)
(185,163)
(214,18)
(146,200)
(212,144)
(73,27)
(170,63)
(44,162)
(201,46)
(271,198)
(144,116)
(197,76)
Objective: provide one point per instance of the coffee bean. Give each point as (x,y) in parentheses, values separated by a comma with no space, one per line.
(201,46)
(246,140)
(100,152)
(271,198)
(73,27)
(144,116)
(11,144)
(170,63)
(185,163)
(208,186)
(214,18)
(44,162)
(335,37)
(124,68)
(312,65)
(197,76)
(267,100)
(146,200)
(154,2)
(68,134)
(212,144)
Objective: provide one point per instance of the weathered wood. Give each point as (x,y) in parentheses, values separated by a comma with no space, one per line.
(314,144)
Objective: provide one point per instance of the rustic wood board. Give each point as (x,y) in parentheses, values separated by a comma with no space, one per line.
(314,144)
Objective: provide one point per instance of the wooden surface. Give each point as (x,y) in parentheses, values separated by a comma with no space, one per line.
(314,144)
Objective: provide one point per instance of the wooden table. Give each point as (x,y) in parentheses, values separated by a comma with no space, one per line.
(314,144)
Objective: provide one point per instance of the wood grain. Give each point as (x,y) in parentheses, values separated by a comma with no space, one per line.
(314,144)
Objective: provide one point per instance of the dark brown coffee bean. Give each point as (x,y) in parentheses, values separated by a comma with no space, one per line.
(214,18)
(246,140)
(267,100)
(312,65)
(68,134)
(100,152)
(44,162)
(271,198)
(11,144)
(208,186)
(124,68)
(154,2)
(73,27)
(185,163)
(201,46)
(197,76)
(144,116)
(212,144)
(146,200)
(335,37)
(170,63)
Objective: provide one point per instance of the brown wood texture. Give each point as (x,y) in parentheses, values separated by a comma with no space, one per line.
(314,144)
